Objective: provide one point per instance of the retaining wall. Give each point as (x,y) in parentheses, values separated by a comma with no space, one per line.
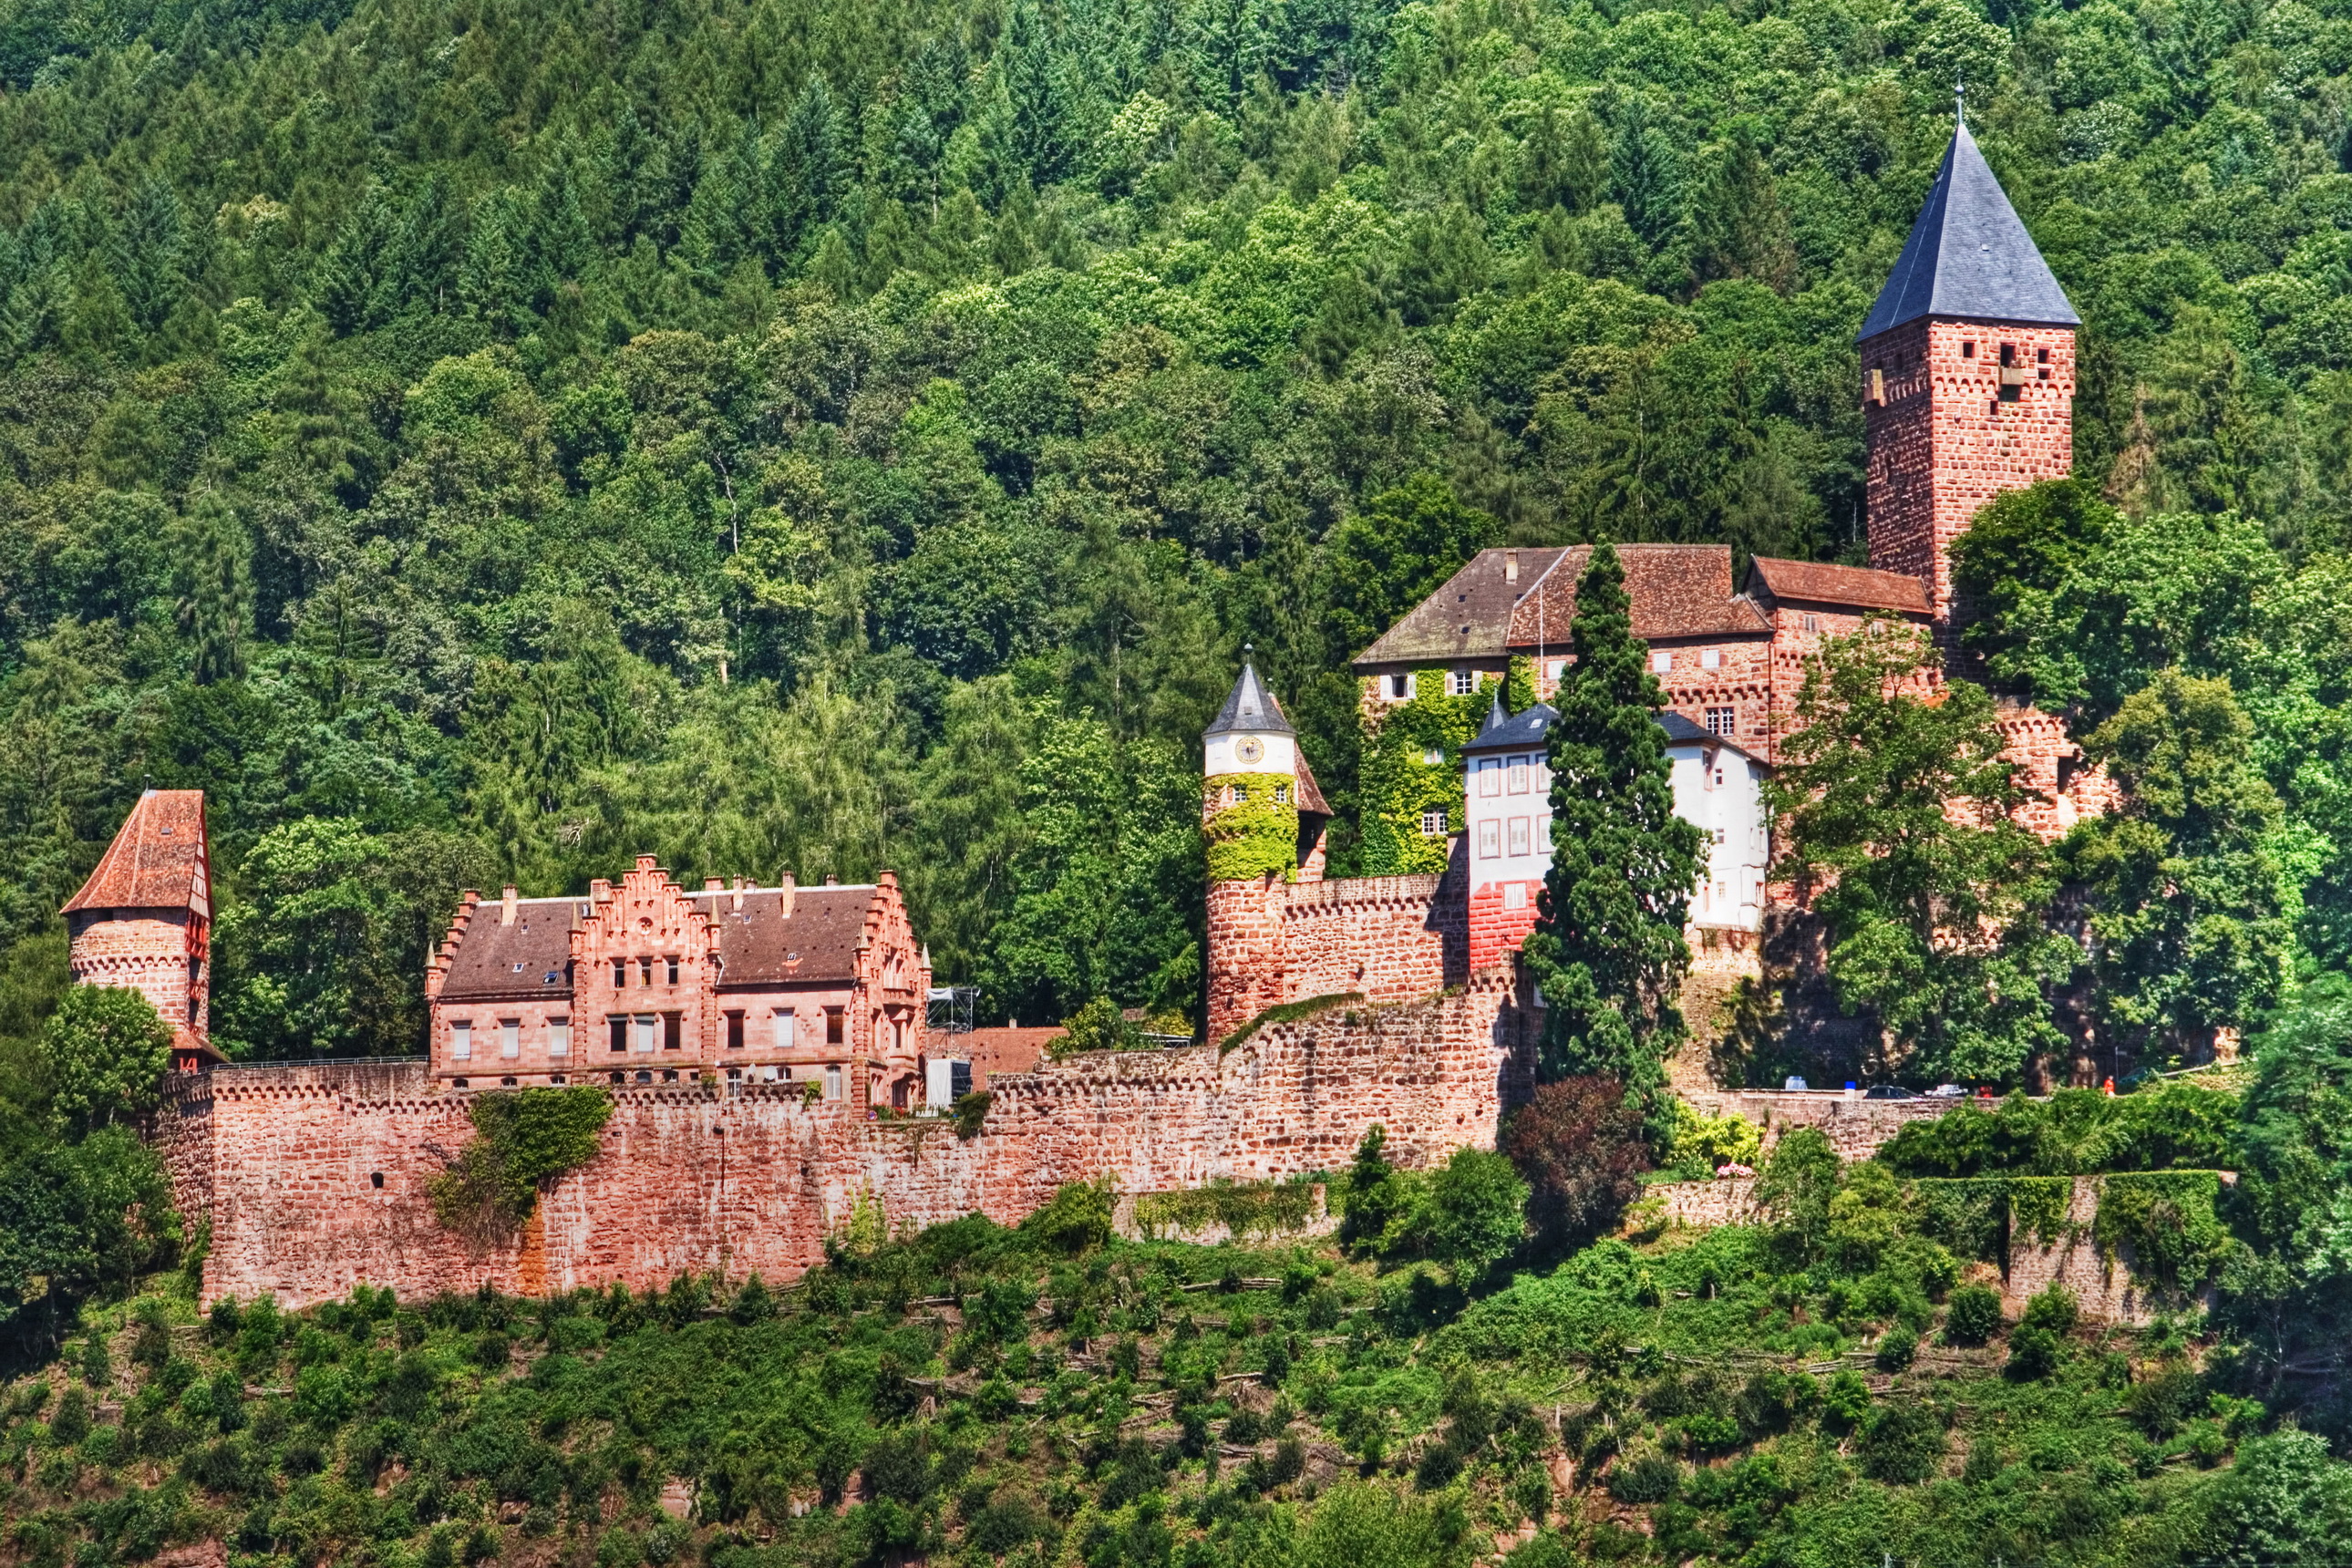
(316,1178)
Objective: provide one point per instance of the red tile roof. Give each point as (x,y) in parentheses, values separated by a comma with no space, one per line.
(756,946)
(1819,582)
(1677,590)
(157,861)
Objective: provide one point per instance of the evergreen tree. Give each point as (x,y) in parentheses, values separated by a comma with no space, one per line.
(1608,949)
(807,171)
(1646,171)
(431,247)
(350,285)
(154,238)
(497,281)
(1039,97)
(215,588)
(1737,227)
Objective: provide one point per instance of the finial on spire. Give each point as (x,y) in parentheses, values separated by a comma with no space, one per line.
(1959,99)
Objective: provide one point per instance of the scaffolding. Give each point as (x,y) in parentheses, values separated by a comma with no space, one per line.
(953,1009)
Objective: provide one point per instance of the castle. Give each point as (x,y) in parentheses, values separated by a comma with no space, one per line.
(757,1041)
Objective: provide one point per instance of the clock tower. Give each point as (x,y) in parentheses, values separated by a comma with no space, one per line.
(1262,817)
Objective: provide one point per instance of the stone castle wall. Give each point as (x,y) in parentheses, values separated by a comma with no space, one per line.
(313,1179)
(1391,938)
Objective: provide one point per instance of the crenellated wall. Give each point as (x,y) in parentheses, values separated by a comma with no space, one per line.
(316,1178)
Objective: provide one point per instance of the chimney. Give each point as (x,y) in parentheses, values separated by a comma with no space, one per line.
(832,880)
(507,905)
(787,888)
(712,884)
(1510,565)
(600,891)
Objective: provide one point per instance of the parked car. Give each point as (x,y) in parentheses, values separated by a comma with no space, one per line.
(1889,1092)
(1948,1091)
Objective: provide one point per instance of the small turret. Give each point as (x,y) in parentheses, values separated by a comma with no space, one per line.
(1249,796)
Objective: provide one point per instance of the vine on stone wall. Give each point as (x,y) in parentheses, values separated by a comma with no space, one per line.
(1398,784)
(2167,1219)
(1256,834)
(523,1140)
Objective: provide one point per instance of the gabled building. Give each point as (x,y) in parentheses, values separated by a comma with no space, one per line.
(641,981)
(143,920)
(1967,384)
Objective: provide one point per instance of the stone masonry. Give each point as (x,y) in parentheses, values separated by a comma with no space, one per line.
(314,1179)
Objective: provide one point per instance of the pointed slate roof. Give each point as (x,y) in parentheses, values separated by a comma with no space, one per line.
(1249,706)
(1969,255)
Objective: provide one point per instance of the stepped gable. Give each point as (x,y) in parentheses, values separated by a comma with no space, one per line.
(494,959)
(1678,591)
(765,935)
(1968,256)
(156,861)
(1857,587)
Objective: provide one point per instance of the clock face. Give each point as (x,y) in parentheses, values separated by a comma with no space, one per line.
(1249,749)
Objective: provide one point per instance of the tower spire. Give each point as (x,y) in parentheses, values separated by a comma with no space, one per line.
(1968,254)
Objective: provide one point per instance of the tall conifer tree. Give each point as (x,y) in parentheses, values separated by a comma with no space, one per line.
(1609,950)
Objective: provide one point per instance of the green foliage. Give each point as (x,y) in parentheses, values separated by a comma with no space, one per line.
(106,1054)
(1258,1211)
(523,1139)
(1077,1219)
(324,953)
(1377,1198)
(2075,1131)
(1972,1315)
(1701,1145)
(2169,1221)
(1288,1013)
(1933,914)
(1608,949)
(1100,1025)
(1473,1213)
(2185,902)
(971,1113)
(75,1220)
(1411,766)
(1396,552)
(1255,835)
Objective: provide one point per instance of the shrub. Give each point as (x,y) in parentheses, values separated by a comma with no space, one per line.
(71,1425)
(1972,1316)
(1900,1442)
(1077,1220)
(2053,1309)
(1006,1524)
(1474,1212)
(1581,1148)
(1653,1477)
(2033,1352)
(898,1466)
(1897,1349)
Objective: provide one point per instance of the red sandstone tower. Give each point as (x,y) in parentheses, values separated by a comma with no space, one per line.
(1265,817)
(143,920)
(1968,373)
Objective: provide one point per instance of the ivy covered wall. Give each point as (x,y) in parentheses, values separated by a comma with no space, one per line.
(1254,833)
(1399,780)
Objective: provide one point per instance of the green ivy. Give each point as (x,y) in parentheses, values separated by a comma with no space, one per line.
(1398,785)
(1256,834)
(523,1139)
(2167,1219)
(1288,1013)
(2037,1207)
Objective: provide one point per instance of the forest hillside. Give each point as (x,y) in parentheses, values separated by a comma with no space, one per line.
(480,441)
